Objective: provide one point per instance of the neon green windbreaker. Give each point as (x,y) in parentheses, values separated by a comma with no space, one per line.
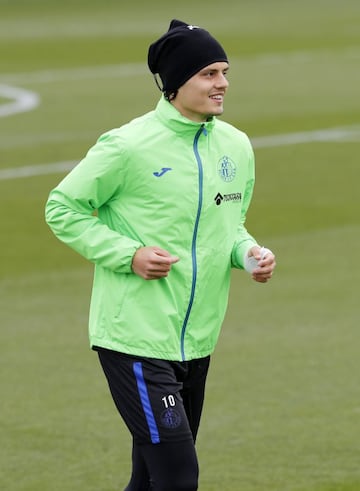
(160,180)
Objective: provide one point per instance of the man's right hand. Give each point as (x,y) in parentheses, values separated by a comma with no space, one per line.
(152,263)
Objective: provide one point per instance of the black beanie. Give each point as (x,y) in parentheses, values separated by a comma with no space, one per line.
(182,52)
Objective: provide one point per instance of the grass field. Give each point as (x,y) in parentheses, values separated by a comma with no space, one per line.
(283,401)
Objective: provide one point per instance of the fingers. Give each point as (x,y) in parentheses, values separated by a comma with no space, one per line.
(265,269)
(153,262)
(163,257)
(262,277)
(260,263)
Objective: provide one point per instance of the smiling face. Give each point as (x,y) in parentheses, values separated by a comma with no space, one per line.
(203,94)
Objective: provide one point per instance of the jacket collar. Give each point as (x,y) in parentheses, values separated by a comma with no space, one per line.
(171,118)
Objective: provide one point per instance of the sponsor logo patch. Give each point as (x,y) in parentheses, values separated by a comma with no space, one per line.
(231,198)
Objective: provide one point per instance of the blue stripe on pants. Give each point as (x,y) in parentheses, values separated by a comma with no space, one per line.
(145,401)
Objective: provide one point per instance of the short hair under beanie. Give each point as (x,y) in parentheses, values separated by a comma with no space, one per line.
(181,52)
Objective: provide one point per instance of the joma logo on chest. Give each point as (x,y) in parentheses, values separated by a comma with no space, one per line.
(162,171)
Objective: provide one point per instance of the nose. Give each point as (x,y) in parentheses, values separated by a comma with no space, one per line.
(222,81)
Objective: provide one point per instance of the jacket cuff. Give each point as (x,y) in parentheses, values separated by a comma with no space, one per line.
(239,251)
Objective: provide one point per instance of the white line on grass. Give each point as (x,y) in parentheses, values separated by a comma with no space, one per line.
(37,170)
(14,140)
(26,100)
(77,73)
(140,68)
(346,133)
(23,100)
(349,133)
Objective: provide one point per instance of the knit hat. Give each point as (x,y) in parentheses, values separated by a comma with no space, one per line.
(181,52)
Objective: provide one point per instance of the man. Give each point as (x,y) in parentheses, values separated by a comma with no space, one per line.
(171,190)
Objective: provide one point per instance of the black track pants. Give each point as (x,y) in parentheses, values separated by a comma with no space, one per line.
(172,467)
(161,403)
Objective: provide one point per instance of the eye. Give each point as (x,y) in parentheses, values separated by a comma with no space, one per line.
(214,73)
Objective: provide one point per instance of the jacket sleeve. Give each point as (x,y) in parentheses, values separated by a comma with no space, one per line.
(244,240)
(70,209)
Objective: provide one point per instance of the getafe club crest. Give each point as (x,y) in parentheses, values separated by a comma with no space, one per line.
(170,418)
(226,169)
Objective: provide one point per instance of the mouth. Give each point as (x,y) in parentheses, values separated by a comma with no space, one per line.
(217,97)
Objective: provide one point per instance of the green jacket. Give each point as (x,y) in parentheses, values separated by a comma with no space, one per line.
(160,180)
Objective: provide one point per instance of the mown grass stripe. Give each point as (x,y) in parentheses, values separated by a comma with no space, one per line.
(321,135)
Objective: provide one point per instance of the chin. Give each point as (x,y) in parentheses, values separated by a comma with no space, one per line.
(217,112)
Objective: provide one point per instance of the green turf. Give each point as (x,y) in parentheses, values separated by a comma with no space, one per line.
(282,411)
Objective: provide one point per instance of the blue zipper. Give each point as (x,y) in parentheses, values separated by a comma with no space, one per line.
(193,245)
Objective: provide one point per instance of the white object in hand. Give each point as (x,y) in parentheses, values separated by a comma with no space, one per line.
(250,263)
